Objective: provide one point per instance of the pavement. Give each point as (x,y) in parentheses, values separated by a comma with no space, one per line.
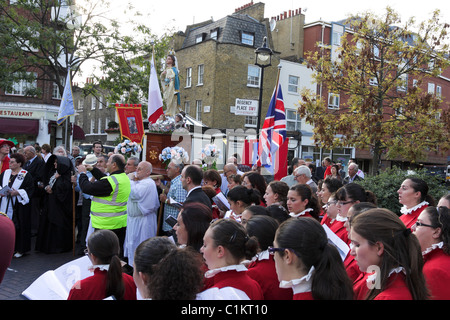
(24,270)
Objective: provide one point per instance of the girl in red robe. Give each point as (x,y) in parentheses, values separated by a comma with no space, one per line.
(262,267)
(413,194)
(308,264)
(432,229)
(108,279)
(385,248)
(225,245)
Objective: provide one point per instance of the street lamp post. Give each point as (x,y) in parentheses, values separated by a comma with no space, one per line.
(263,59)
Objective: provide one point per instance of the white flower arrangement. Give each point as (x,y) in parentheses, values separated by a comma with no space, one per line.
(209,154)
(175,154)
(128,148)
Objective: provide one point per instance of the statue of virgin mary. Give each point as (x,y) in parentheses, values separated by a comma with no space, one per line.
(170,84)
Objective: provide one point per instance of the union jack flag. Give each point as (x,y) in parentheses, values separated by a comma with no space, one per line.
(273,132)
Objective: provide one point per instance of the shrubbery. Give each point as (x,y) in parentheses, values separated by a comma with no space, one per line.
(386,184)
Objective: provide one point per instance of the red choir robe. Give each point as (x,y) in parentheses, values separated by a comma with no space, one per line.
(409,217)
(236,277)
(326,221)
(303,296)
(263,271)
(360,288)
(94,287)
(351,267)
(436,270)
(338,228)
(396,289)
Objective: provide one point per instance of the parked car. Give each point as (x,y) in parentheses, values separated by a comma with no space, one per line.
(438,171)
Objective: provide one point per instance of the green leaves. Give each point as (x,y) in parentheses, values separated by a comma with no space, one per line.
(380,77)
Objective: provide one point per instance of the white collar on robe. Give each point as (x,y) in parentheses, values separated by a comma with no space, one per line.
(373,277)
(433,247)
(405,210)
(236,267)
(300,285)
(296,215)
(340,218)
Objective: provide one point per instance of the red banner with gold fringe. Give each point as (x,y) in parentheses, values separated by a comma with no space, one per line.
(130,122)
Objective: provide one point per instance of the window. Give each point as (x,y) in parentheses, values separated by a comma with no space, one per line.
(373,81)
(80,104)
(93,103)
(293,120)
(251,121)
(333,101)
(201,69)
(214,34)
(92,126)
(376,51)
(403,83)
(198,110)
(199,38)
(293,84)
(56,94)
(100,104)
(187,107)
(438,91)
(415,83)
(337,33)
(99,127)
(188,77)
(431,88)
(22,87)
(253,76)
(247,38)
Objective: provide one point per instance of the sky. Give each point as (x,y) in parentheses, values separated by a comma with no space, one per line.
(178,14)
(175,15)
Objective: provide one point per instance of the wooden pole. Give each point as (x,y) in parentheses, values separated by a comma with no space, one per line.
(73,219)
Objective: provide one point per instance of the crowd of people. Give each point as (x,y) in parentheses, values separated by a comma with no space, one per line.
(227,235)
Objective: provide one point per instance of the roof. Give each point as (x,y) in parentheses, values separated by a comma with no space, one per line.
(229,30)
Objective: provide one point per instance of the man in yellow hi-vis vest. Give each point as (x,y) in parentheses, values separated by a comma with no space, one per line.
(110,196)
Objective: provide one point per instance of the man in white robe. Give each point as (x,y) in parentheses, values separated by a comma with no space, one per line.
(142,209)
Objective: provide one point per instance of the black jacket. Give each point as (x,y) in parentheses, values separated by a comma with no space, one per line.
(198,195)
(99,188)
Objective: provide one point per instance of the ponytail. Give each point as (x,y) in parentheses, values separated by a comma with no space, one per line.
(233,236)
(330,279)
(308,238)
(247,196)
(114,280)
(401,249)
(104,245)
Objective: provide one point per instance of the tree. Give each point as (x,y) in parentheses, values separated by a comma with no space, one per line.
(48,36)
(382,108)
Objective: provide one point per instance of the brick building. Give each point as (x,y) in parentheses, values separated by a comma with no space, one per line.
(216,66)
(321,35)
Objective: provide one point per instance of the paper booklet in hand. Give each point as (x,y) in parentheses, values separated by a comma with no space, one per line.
(4,190)
(175,204)
(56,284)
(221,202)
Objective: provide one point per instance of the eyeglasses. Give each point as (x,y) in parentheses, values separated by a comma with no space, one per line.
(272,250)
(332,202)
(421,224)
(343,203)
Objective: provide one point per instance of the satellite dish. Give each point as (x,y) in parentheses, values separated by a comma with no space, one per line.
(273,24)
